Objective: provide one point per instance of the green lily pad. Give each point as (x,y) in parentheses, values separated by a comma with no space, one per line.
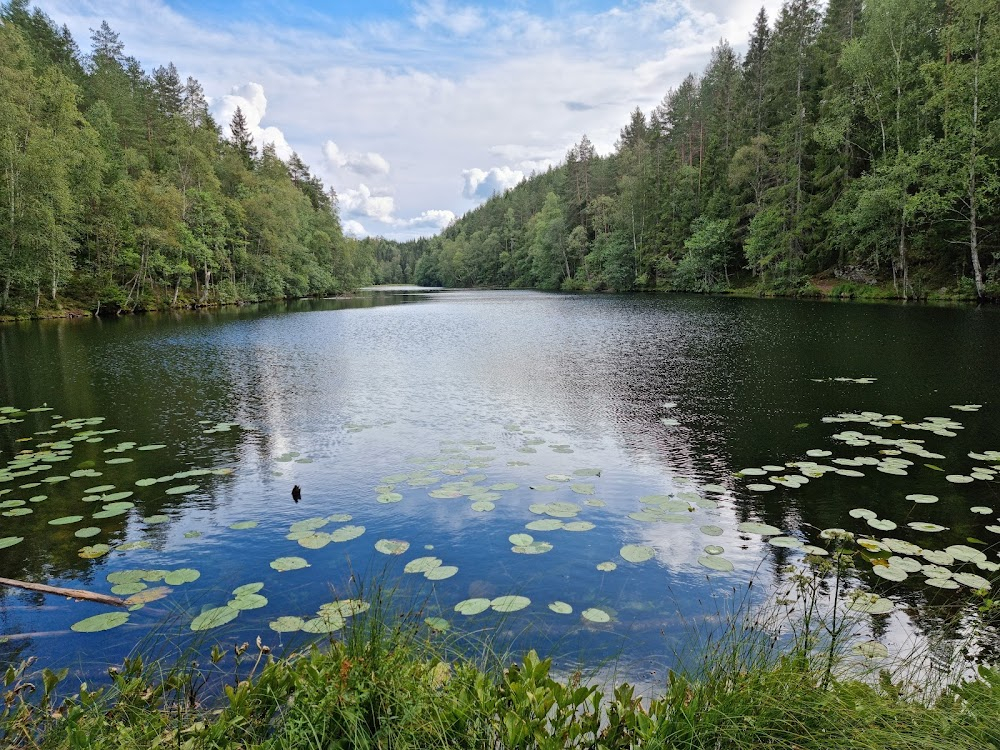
(965,553)
(247,601)
(438,624)
(181,576)
(535,548)
(10,541)
(240,525)
(890,572)
(607,567)
(788,542)
(636,553)
(286,624)
(283,564)
(387,498)
(422,564)
(346,533)
(981,510)
(472,606)
(154,447)
(125,589)
(182,489)
(391,546)
(921,498)
(520,539)
(870,650)
(324,625)
(441,572)
(926,526)
(972,580)
(760,487)
(483,506)
(872,604)
(65,520)
(509,603)
(710,530)
(213,618)
(578,526)
(561,608)
(99,489)
(882,524)
(155,519)
(593,614)
(87,532)
(715,562)
(121,460)
(99,623)
(547,524)
(764,529)
(93,551)
(583,489)
(862,513)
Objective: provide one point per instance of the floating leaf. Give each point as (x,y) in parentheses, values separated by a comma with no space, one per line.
(920,498)
(545,524)
(324,625)
(392,546)
(283,564)
(124,589)
(942,583)
(483,506)
(65,520)
(965,553)
(636,553)
(213,618)
(93,551)
(578,526)
(760,487)
(607,567)
(154,447)
(99,489)
(870,650)
(509,603)
(98,623)
(182,489)
(890,572)
(240,525)
(972,580)
(593,614)
(535,548)
(387,498)
(872,604)
(472,606)
(714,549)
(422,564)
(159,518)
(520,539)
(582,489)
(711,530)
(86,532)
(981,509)
(438,624)
(441,572)
(926,526)
(248,601)
(764,529)
(714,562)
(181,576)
(137,600)
(788,542)
(862,513)
(561,608)
(882,524)
(346,533)
(286,624)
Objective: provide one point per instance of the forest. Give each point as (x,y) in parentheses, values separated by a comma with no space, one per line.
(119,191)
(852,149)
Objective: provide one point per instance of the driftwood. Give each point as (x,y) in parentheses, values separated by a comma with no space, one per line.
(70,593)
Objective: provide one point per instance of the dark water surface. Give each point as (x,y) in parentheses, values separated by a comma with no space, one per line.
(404,393)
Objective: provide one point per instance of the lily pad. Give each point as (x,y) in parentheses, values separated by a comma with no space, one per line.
(545,524)
(764,529)
(509,603)
(346,533)
(441,572)
(636,553)
(561,608)
(387,498)
(422,564)
(862,513)
(93,551)
(870,650)
(324,625)
(921,498)
(714,549)
(712,530)
(872,604)
(181,576)
(182,489)
(520,539)
(99,623)
(155,519)
(87,532)
(283,564)
(607,567)
(789,542)
(882,524)
(286,624)
(889,572)
(213,618)
(247,601)
(972,580)
(392,546)
(438,624)
(715,562)
(593,614)
(760,487)
(240,525)
(65,520)
(472,606)
(926,526)
(578,526)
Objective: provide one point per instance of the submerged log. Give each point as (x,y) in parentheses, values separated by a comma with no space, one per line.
(69,593)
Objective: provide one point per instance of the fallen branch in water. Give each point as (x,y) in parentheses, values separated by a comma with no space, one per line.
(69,593)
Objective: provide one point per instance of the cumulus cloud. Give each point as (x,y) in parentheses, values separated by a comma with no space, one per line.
(362,202)
(436,219)
(459,20)
(480,184)
(368,164)
(354,228)
(249,97)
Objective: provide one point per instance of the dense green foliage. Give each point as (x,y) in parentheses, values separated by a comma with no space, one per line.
(391,686)
(862,139)
(118,190)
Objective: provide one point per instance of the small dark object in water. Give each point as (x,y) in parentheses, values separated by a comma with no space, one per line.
(296,493)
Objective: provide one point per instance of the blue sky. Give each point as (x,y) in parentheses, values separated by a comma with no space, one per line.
(416,111)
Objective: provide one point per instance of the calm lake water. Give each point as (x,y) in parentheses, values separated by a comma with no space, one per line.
(453,420)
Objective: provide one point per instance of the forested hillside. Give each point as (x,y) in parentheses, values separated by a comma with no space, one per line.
(857,143)
(119,192)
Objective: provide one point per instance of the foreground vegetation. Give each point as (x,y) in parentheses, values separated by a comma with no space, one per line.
(120,193)
(391,683)
(860,140)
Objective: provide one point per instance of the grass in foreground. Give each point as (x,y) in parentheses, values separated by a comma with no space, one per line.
(385,685)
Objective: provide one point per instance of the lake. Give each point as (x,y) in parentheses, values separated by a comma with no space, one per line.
(574,472)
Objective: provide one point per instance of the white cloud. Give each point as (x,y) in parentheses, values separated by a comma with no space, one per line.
(459,20)
(249,98)
(354,228)
(436,219)
(480,185)
(362,202)
(368,164)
